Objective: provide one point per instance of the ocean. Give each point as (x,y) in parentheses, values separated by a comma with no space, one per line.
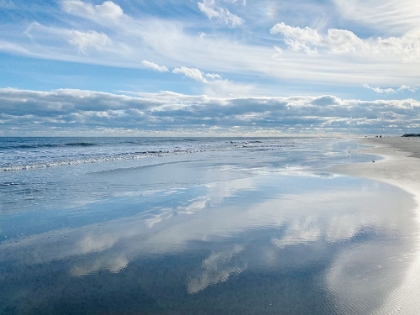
(196,226)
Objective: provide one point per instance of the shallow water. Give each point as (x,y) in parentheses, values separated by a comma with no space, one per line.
(216,231)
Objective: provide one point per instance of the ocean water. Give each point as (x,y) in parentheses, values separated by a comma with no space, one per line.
(196,226)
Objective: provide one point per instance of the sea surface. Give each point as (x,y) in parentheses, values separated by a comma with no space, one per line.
(196,226)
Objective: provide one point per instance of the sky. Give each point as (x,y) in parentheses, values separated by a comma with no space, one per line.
(209,67)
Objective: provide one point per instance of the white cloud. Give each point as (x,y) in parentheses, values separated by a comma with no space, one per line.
(278,53)
(213,76)
(76,110)
(107,10)
(407,88)
(226,88)
(198,75)
(379,90)
(191,73)
(215,86)
(395,16)
(85,40)
(298,38)
(153,66)
(134,40)
(236,1)
(337,57)
(336,41)
(223,15)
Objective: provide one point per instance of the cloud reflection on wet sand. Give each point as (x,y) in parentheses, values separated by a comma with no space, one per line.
(334,227)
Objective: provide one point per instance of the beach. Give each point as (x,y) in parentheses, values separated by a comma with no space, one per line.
(207,226)
(209,157)
(401,168)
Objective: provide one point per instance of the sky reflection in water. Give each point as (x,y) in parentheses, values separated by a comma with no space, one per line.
(266,243)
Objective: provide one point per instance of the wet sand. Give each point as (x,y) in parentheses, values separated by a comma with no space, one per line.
(400,167)
(215,233)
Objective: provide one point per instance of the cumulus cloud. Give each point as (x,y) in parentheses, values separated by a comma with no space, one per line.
(107,10)
(406,88)
(75,110)
(198,75)
(153,66)
(191,73)
(338,41)
(85,40)
(297,38)
(379,90)
(327,100)
(215,86)
(220,14)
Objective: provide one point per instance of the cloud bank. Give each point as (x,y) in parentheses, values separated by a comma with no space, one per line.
(76,111)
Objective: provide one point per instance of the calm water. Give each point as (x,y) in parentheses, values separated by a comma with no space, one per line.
(196,226)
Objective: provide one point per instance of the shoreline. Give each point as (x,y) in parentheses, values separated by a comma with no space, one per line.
(401,168)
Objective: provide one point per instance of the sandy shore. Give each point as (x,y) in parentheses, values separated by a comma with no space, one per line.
(400,167)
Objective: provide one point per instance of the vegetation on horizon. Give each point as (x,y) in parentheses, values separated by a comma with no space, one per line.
(411,135)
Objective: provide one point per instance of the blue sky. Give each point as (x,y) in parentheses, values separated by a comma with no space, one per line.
(209,67)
